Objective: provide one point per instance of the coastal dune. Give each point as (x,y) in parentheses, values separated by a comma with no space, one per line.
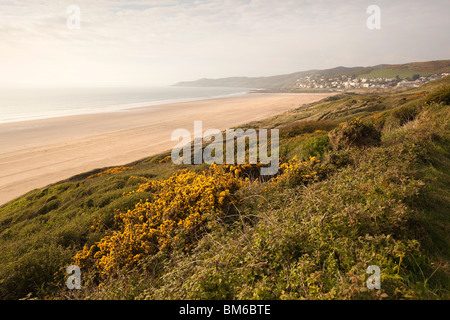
(36,153)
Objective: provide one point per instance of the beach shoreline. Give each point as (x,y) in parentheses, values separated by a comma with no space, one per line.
(36,153)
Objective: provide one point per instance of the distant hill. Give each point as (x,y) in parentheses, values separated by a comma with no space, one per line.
(289,80)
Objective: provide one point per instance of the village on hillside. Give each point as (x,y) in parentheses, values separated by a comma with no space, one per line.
(344,82)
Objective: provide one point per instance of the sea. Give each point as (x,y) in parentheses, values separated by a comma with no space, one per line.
(21,104)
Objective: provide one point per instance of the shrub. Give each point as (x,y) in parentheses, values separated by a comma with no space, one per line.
(174,214)
(316,146)
(405,113)
(354,133)
(440,96)
(295,172)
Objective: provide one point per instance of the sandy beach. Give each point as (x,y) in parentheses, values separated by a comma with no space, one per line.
(36,153)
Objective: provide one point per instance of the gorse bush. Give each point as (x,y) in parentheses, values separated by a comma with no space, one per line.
(176,211)
(296,172)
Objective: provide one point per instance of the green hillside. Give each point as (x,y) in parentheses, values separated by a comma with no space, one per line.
(392,73)
(408,70)
(363,181)
(288,80)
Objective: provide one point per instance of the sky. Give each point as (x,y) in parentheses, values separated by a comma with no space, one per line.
(160,42)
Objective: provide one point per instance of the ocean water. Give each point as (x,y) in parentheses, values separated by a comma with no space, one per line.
(19,104)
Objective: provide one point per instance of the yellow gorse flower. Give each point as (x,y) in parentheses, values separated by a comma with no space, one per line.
(296,172)
(176,212)
(177,207)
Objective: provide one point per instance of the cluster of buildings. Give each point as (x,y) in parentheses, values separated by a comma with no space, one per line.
(352,82)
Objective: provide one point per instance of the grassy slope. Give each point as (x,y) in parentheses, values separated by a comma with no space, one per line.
(392,73)
(409,69)
(278,248)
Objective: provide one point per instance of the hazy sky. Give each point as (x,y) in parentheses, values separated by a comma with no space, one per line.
(144,42)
